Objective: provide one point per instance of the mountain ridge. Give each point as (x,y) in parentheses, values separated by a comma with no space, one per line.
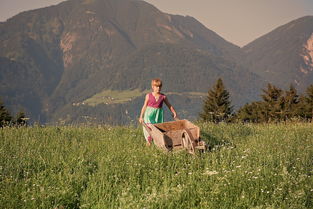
(278,55)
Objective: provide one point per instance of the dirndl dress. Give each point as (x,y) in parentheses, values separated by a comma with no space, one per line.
(153,113)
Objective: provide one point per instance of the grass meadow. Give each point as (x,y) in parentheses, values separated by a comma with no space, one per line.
(248,166)
(114,97)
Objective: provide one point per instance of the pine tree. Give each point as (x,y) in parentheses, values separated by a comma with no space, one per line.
(5,117)
(290,102)
(250,113)
(20,120)
(301,108)
(217,106)
(309,103)
(273,103)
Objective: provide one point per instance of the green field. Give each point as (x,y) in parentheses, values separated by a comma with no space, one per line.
(119,97)
(113,97)
(249,166)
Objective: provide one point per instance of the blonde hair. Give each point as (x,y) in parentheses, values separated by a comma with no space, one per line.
(156,82)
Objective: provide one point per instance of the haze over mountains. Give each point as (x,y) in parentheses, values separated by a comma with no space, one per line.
(54,60)
(284,55)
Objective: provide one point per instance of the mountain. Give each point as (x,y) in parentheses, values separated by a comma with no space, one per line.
(55,59)
(285,55)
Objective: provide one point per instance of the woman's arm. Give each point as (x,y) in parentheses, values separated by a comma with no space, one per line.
(170,107)
(143,109)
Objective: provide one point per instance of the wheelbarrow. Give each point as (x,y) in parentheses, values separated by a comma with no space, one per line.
(176,135)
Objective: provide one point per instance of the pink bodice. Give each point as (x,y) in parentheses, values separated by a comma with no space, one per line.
(156,104)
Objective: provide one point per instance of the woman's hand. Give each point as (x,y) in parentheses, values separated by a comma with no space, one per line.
(140,120)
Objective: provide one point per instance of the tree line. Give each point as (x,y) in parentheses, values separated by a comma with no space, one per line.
(277,105)
(6,119)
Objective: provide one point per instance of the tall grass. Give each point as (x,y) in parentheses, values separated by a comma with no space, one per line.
(248,166)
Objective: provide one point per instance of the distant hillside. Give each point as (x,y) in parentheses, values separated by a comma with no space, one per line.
(284,55)
(182,70)
(52,59)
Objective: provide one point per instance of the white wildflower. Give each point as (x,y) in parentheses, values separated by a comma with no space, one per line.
(210,173)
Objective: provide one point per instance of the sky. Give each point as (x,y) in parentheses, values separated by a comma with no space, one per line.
(237,21)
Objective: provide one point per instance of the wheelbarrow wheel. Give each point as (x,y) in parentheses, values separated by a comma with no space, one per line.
(187,143)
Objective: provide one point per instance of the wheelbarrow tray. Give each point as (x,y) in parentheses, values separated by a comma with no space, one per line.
(169,135)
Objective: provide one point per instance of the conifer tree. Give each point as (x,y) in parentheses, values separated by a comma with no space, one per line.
(250,113)
(217,106)
(5,117)
(309,102)
(273,103)
(301,108)
(20,120)
(290,102)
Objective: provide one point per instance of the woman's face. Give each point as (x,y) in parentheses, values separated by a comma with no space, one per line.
(156,88)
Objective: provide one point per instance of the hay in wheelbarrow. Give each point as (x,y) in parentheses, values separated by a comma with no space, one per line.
(176,135)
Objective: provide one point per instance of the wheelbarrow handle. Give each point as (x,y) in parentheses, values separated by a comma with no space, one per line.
(148,129)
(176,119)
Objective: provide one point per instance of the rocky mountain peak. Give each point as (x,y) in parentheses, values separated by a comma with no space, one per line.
(308,56)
